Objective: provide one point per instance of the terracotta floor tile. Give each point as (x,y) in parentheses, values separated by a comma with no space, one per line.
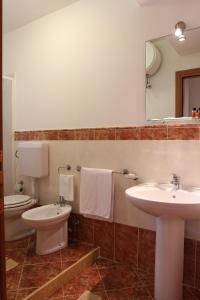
(66,264)
(11,295)
(59,298)
(33,258)
(146,278)
(36,275)
(13,277)
(87,280)
(17,254)
(72,297)
(21,294)
(75,297)
(188,295)
(32,242)
(38,269)
(57,295)
(118,277)
(129,294)
(105,263)
(195,292)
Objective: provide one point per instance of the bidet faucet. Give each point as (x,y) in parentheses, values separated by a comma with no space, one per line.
(175,181)
(61,201)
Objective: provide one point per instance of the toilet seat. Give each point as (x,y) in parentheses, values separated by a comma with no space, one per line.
(14,206)
(14,201)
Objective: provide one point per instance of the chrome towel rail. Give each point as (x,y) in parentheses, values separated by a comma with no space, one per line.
(123,172)
(78,169)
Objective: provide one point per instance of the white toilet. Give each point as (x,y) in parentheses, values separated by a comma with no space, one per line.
(14,206)
(33,162)
(51,224)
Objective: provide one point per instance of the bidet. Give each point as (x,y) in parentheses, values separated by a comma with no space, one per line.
(51,227)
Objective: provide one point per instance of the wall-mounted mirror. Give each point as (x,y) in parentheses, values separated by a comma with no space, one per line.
(173,76)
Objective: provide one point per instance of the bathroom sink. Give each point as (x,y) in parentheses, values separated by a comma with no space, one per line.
(171,207)
(162,200)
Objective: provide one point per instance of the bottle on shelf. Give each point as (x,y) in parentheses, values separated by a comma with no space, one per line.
(198,113)
(194,112)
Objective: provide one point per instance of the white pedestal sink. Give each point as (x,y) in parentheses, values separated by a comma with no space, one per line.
(171,207)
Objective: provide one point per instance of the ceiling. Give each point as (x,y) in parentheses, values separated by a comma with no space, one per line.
(17,13)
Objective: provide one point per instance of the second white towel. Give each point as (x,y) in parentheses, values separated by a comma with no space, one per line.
(96,193)
(66,187)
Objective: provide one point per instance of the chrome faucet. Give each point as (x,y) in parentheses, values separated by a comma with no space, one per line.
(61,201)
(175,181)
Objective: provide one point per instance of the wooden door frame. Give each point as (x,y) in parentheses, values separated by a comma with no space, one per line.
(2,244)
(180,76)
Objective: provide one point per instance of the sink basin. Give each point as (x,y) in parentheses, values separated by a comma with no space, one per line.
(170,207)
(161,200)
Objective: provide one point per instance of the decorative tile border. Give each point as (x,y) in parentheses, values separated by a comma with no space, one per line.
(154,132)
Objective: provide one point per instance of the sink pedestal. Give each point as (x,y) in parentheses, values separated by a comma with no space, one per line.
(169,258)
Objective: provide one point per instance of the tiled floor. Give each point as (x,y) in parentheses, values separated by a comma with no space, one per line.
(106,278)
(113,281)
(35,270)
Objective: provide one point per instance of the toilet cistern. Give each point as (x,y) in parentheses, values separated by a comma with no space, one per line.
(33,163)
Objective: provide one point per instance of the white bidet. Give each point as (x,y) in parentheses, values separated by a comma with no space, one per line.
(51,224)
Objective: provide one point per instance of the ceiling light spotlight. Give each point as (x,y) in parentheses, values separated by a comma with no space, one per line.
(181,38)
(180,28)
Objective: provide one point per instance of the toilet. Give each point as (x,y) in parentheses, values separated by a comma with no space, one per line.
(14,207)
(32,163)
(51,224)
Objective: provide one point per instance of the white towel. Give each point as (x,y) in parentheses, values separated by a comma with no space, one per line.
(96,193)
(66,187)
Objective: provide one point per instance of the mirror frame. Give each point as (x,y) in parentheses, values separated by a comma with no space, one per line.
(180,76)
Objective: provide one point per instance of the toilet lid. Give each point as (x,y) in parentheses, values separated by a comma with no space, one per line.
(16,200)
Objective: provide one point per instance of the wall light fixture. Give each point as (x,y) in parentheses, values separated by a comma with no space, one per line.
(179,31)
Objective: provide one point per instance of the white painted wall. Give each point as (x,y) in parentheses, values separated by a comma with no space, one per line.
(83,66)
(160,98)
